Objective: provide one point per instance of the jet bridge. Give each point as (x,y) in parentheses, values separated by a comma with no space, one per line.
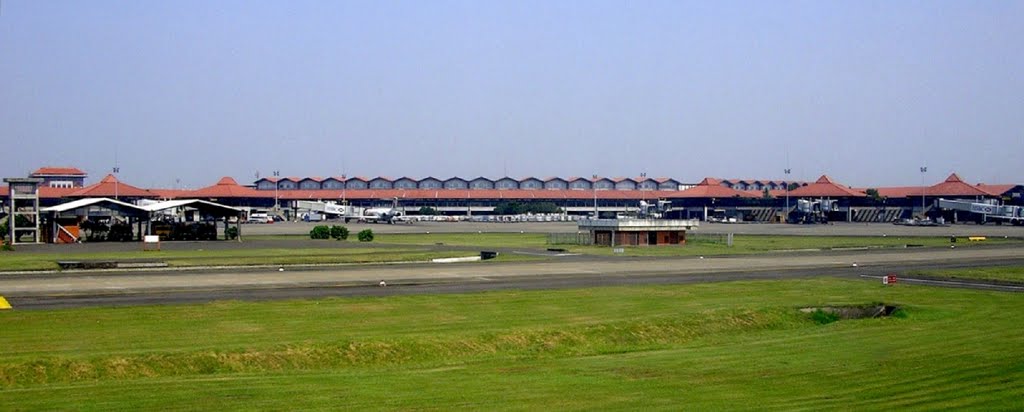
(987,212)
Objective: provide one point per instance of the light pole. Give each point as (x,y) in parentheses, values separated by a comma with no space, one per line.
(593,185)
(277,185)
(924,169)
(643,194)
(786,215)
(117,183)
(344,186)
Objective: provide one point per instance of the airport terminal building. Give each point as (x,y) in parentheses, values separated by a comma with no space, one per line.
(710,199)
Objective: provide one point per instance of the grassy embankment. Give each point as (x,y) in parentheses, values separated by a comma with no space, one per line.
(738,345)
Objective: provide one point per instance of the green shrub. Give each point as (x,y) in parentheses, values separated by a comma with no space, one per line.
(339,232)
(231,233)
(22,222)
(823,317)
(366,235)
(7,247)
(320,232)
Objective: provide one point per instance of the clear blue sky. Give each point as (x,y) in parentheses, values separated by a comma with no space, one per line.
(194,90)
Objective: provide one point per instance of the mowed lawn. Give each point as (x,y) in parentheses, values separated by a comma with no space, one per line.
(420,247)
(735,345)
(232,257)
(1011,274)
(698,244)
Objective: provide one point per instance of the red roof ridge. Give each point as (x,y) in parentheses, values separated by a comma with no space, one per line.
(709,181)
(954,178)
(227,180)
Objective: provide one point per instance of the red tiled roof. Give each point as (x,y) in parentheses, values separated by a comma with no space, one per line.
(996,190)
(954,186)
(825,187)
(111,187)
(59,171)
(170,193)
(711,188)
(901,191)
(772,193)
(225,187)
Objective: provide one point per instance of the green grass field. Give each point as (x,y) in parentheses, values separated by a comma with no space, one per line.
(736,345)
(235,257)
(1001,273)
(411,247)
(699,245)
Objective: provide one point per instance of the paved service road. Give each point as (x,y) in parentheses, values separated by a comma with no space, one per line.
(167,287)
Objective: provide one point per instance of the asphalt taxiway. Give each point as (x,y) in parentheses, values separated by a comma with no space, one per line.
(191,286)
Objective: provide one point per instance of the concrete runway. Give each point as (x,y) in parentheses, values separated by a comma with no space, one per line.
(132,288)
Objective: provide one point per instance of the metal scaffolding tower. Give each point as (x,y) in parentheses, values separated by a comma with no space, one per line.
(23,193)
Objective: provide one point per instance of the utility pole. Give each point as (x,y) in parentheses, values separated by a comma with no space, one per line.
(593,185)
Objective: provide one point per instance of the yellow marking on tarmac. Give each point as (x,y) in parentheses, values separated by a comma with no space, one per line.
(4,304)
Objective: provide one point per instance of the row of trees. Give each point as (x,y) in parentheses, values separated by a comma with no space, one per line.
(518,208)
(338,233)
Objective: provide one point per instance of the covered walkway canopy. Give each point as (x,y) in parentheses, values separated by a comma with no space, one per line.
(137,214)
(64,218)
(204,207)
(80,205)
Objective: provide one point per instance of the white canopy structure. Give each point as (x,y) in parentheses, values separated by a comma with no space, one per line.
(140,214)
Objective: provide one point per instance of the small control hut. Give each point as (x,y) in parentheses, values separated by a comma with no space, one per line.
(637,232)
